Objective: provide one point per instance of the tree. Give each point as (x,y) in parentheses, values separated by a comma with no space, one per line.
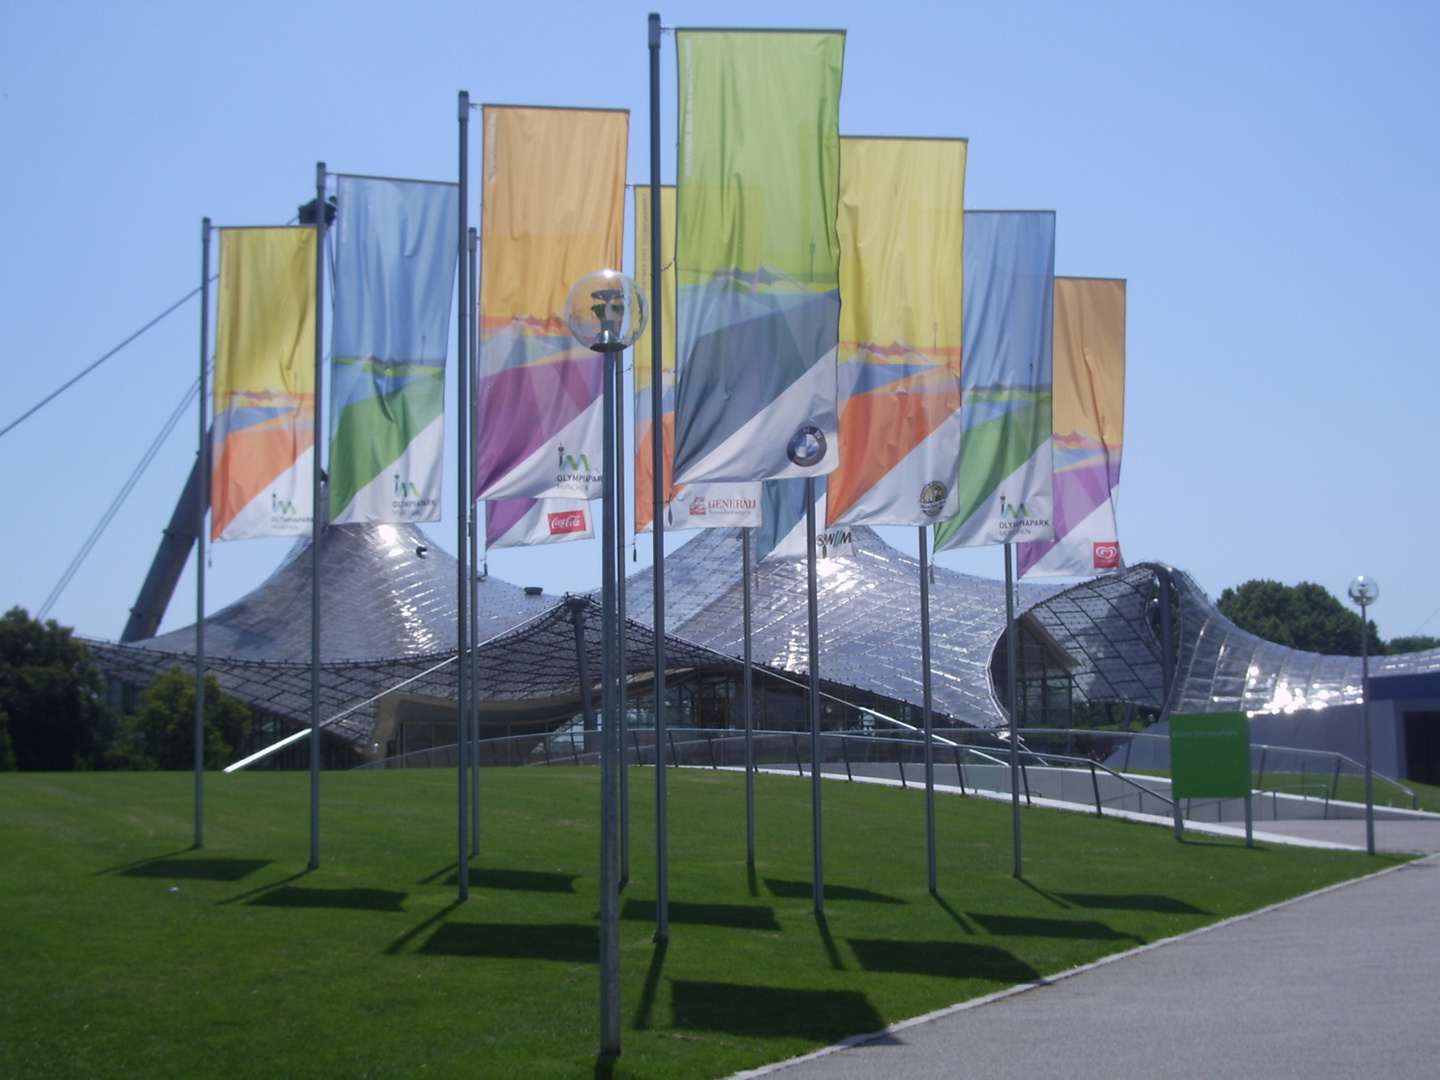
(1413,643)
(53,695)
(1304,616)
(162,733)
(7,752)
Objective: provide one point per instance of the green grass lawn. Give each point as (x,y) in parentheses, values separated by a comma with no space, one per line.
(125,955)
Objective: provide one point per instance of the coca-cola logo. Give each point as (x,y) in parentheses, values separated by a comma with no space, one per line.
(1107,555)
(570,521)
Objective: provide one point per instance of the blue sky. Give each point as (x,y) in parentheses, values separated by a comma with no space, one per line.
(1265,176)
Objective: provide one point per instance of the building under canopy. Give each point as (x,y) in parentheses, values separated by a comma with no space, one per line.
(388,603)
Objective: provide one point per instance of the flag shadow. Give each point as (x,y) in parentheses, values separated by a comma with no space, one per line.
(735,916)
(947,959)
(203,869)
(296,896)
(1033,926)
(805,890)
(771,1012)
(1163,905)
(518,880)
(572,943)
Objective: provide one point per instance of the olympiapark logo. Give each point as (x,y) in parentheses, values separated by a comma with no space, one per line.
(573,466)
(407,495)
(1014,517)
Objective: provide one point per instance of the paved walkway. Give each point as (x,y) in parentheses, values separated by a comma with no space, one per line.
(1342,984)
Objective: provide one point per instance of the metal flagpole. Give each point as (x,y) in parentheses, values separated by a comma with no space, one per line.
(1012,689)
(203,504)
(462,482)
(609,732)
(316,516)
(474,526)
(658,494)
(813,698)
(749,708)
(622,638)
(1167,667)
(925,689)
(1365,690)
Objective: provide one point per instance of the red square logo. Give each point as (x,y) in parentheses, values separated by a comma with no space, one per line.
(1107,555)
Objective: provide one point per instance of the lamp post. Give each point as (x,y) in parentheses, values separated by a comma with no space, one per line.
(1365,592)
(606,312)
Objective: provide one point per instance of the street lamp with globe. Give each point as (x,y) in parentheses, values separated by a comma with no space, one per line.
(1365,592)
(607,312)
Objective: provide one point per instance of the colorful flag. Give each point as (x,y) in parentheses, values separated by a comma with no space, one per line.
(396,246)
(554,211)
(264,432)
(783,533)
(1005,421)
(1089,431)
(526,522)
(691,506)
(902,274)
(758,256)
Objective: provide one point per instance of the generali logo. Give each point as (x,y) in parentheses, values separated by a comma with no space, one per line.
(570,521)
(1107,555)
(698,507)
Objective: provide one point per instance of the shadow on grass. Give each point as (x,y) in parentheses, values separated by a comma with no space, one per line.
(652,981)
(736,916)
(420,927)
(960,920)
(1164,905)
(1038,891)
(572,943)
(750,879)
(831,951)
(804,890)
(448,868)
(263,888)
(205,869)
(771,1012)
(348,899)
(1032,926)
(517,880)
(948,959)
(140,862)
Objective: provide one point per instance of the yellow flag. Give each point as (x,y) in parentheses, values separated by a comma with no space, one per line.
(554,210)
(264,384)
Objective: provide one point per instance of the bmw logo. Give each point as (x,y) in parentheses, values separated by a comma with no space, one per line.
(807,447)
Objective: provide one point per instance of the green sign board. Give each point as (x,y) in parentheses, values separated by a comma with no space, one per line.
(1210,755)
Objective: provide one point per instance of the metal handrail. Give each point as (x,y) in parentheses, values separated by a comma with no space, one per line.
(721,736)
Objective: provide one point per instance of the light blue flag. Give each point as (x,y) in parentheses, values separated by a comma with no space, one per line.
(782,532)
(395,256)
(1006,432)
